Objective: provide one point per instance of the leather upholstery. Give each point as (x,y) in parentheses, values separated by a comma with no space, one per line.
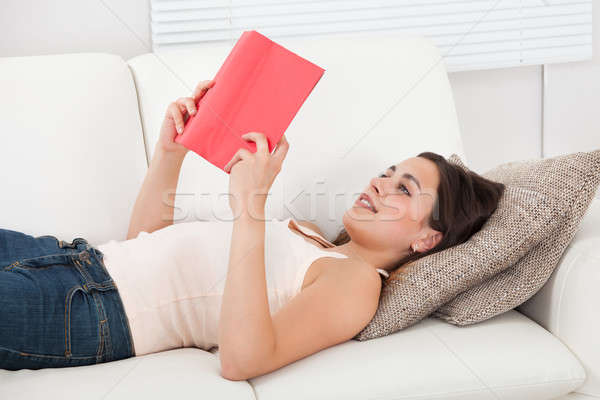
(74,157)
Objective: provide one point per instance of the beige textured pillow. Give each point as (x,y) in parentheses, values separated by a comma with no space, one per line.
(571,180)
(522,219)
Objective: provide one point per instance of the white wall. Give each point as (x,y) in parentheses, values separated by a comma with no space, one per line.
(501,113)
(36,27)
(572,112)
(500,110)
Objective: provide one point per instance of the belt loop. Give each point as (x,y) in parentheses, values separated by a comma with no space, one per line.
(77,259)
(85,256)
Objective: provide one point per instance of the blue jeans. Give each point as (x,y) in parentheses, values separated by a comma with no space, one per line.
(59,307)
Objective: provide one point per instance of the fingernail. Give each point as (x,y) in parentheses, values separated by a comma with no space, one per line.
(179,129)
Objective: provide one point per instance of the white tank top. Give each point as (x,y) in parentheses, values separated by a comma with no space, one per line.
(171,281)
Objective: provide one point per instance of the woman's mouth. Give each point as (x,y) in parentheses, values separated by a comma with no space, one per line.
(365,201)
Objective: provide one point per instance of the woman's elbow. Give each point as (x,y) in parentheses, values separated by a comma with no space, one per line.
(228,371)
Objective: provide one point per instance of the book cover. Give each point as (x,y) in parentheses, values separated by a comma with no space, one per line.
(259,88)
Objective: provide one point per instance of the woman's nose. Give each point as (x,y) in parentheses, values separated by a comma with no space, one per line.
(375,184)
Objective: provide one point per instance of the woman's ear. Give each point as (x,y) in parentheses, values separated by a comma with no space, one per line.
(432,240)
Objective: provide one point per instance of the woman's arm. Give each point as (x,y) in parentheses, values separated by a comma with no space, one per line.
(331,310)
(245,325)
(152,210)
(246,329)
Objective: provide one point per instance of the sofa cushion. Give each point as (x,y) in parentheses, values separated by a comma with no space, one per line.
(522,219)
(571,182)
(431,360)
(434,360)
(175,374)
(72,148)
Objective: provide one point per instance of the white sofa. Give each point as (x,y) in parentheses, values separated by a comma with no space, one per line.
(78,130)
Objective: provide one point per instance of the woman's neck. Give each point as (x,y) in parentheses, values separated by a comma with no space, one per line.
(374,258)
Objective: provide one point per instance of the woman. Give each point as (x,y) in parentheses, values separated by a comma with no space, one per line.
(266,293)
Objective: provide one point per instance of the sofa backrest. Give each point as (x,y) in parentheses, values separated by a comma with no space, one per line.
(72,153)
(379,101)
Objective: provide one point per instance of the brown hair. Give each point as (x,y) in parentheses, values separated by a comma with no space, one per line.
(465,200)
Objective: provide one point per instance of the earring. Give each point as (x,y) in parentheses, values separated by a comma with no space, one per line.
(415,247)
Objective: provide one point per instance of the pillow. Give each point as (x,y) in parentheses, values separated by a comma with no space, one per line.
(572,181)
(521,220)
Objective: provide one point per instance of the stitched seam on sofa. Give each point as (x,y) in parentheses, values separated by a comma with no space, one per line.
(445,394)
(141,120)
(428,329)
(562,290)
(117,383)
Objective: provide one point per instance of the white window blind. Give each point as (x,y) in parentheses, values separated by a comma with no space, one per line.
(474,34)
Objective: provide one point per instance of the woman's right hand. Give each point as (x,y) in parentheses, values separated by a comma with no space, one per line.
(175,117)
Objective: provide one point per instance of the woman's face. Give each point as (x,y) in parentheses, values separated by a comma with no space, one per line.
(403,197)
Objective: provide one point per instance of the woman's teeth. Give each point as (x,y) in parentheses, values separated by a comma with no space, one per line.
(364,201)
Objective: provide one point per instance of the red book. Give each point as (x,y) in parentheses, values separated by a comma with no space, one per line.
(259,88)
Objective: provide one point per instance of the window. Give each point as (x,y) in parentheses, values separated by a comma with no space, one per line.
(474,34)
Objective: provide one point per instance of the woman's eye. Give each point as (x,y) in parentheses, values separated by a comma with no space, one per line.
(400,186)
(405,189)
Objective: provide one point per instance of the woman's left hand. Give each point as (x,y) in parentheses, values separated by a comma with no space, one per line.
(252,174)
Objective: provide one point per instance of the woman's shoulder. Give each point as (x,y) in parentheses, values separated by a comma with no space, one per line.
(345,280)
(349,269)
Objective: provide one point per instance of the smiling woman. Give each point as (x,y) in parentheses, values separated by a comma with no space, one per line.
(422,205)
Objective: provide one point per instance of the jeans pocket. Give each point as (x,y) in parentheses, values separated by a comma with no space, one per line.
(49,317)
(84,330)
(40,262)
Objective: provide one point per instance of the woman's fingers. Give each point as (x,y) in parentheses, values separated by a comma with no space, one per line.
(201,88)
(262,146)
(241,154)
(281,149)
(175,112)
(187,104)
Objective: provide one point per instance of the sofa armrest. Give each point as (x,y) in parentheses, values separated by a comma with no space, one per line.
(567,305)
